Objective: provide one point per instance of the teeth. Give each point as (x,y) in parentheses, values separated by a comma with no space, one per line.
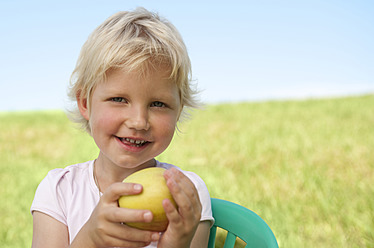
(137,142)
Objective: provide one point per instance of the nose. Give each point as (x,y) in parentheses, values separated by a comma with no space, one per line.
(137,118)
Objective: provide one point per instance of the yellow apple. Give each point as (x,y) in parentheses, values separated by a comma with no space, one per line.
(154,192)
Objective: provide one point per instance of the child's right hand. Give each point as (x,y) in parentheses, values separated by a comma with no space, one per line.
(104,228)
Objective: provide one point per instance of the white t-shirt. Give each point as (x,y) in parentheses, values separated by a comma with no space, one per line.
(70,195)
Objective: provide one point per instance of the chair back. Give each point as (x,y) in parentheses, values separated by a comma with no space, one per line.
(240,222)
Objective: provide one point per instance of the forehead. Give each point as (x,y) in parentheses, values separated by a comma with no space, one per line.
(140,74)
(123,81)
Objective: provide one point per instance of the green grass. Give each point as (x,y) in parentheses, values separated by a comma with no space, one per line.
(306,167)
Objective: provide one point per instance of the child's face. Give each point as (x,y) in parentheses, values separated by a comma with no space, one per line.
(133,118)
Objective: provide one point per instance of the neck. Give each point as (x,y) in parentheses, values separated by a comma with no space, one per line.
(108,173)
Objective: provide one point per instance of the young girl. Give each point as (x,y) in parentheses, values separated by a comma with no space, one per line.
(131,84)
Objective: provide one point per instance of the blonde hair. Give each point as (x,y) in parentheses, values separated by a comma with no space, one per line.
(135,40)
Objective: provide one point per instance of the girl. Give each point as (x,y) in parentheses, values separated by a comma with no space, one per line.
(131,85)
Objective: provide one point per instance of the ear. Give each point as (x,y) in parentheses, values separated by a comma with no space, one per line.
(83,105)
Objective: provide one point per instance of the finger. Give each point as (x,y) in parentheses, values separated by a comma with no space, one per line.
(115,242)
(171,212)
(185,204)
(116,190)
(120,242)
(129,234)
(183,190)
(185,195)
(123,215)
(182,180)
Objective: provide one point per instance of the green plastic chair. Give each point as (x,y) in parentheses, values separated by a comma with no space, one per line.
(240,222)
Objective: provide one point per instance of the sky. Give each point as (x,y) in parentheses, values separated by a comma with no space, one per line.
(240,50)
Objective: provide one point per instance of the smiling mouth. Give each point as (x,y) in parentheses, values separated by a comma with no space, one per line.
(133,142)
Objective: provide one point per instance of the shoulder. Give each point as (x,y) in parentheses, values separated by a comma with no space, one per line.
(58,186)
(71,170)
(64,177)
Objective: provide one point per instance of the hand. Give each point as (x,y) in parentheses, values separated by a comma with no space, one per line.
(104,228)
(183,221)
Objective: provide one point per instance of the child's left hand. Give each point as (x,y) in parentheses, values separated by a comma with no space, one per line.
(184,220)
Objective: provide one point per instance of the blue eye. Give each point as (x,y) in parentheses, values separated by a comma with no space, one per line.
(158,104)
(118,99)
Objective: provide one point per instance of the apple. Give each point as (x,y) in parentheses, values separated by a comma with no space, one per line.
(154,192)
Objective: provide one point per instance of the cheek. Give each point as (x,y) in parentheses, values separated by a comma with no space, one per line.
(104,121)
(166,126)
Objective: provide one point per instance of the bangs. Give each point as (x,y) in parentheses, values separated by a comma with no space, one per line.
(133,41)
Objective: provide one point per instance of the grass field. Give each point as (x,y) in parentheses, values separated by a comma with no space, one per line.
(306,167)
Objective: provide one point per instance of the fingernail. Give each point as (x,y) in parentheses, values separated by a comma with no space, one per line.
(137,187)
(148,216)
(155,237)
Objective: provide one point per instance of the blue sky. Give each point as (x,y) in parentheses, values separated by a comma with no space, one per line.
(240,50)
